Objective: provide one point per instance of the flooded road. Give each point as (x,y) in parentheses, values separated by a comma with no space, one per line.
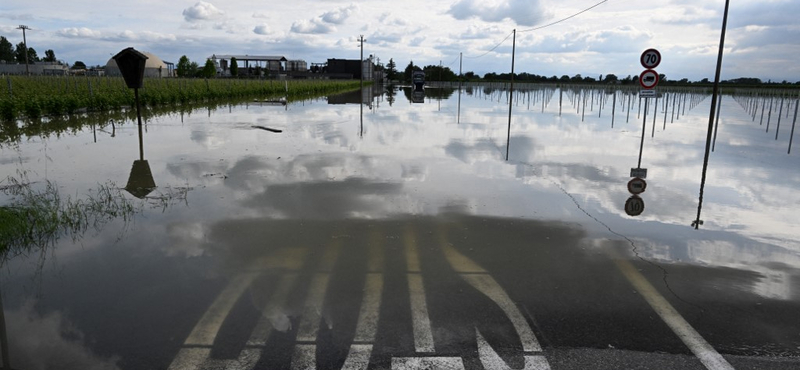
(395,234)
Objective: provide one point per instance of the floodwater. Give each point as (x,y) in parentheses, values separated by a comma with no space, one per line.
(395,234)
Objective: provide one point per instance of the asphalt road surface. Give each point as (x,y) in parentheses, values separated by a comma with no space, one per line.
(464,293)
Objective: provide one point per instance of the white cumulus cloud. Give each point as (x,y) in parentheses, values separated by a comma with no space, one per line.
(522,12)
(340,15)
(75,32)
(313,26)
(202,11)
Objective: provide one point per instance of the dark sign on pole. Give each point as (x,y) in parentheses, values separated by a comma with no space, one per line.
(131,65)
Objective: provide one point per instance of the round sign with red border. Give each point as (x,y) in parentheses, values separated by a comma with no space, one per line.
(651,58)
(634,206)
(637,185)
(648,79)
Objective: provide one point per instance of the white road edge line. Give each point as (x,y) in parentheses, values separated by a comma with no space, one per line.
(490,288)
(208,326)
(412,254)
(367,324)
(480,279)
(423,334)
(272,316)
(710,358)
(491,360)
(312,312)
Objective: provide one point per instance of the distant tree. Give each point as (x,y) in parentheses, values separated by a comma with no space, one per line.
(611,78)
(390,93)
(6,50)
(564,78)
(19,52)
(577,78)
(194,70)
(627,80)
(182,69)
(408,71)
(747,81)
(705,81)
(32,57)
(49,56)
(234,67)
(391,70)
(439,73)
(600,79)
(588,79)
(209,70)
(469,76)
(79,65)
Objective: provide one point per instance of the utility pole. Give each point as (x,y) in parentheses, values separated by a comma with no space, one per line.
(460,56)
(460,81)
(696,223)
(511,90)
(361,40)
(25,42)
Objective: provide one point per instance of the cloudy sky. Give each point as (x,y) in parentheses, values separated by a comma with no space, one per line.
(763,37)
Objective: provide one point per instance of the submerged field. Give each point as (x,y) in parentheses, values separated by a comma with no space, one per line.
(462,228)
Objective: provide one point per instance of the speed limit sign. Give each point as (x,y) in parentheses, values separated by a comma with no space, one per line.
(651,58)
(634,206)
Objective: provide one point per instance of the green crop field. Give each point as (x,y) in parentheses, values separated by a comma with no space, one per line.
(34,97)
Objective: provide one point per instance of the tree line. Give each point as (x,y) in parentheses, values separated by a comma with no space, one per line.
(439,73)
(11,54)
(188,68)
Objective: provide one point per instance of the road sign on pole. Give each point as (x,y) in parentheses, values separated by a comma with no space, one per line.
(651,58)
(639,172)
(637,186)
(647,94)
(648,79)
(634,206)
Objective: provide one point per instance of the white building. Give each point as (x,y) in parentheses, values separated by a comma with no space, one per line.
(153,67)
(35,68)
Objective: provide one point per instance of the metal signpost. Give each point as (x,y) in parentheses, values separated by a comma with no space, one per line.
(648,79)
(650,59)
(131,64)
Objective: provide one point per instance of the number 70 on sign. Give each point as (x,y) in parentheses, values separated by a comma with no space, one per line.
(650,58)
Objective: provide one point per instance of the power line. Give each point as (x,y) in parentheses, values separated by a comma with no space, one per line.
(492,49)
(451,63)
(564,19)
(538,28)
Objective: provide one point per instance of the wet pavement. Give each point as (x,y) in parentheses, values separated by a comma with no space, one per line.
(396,235)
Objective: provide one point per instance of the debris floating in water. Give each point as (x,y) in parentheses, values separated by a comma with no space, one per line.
(268,129)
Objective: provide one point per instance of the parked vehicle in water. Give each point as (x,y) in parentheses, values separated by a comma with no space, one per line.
(418,78)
